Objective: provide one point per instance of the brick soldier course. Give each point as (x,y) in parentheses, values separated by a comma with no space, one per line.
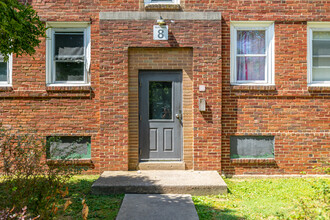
(297,115)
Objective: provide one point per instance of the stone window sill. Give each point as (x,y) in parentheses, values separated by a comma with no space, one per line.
(253,87)
(162,7)
(253,161)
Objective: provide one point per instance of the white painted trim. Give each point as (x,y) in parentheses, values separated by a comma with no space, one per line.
(149,2)
(268,26)
(68,84)
(9,73)
(251,24)
(50,46)
(314,26)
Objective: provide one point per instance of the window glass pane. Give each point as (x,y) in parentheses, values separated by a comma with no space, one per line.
(321,61)
(321,47)
(69,46)
(251,68)
(321,35)
(251,147)
(321,74)
(69,71)
(251,42)
(69,147)
(3,72)
(160,100)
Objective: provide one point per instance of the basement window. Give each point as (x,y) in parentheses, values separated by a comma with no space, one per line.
(252,53)
(5,71)
(252,147)
(68,147)
(68,55)
(318,53)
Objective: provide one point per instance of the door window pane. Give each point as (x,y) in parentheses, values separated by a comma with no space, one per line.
(160,100)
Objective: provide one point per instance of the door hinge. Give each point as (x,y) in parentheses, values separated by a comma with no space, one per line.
(140,151)
(140,84)
(140,118)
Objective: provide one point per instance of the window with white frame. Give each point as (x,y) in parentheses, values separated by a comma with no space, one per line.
(5,71)
(68,54)
(252,52)
(318,55)
(161,2)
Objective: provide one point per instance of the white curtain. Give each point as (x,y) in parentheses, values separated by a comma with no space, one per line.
(251,43)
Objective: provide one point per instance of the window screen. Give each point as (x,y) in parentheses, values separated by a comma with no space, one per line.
(69,147)
(252,147)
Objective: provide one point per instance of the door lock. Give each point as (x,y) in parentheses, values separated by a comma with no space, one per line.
(179,116)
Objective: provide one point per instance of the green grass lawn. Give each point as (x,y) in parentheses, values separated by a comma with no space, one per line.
(100,207)
(246,199)
(291,198)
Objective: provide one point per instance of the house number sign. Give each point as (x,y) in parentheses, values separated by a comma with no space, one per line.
(160,32)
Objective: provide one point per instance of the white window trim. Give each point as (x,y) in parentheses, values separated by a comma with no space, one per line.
(314,26)
(148,2)
(268,26)
(9,73)
(69,27)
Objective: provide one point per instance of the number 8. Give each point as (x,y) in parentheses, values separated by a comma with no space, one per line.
(160,33)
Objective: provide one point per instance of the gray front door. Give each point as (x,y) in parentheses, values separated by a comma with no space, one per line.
(160,109)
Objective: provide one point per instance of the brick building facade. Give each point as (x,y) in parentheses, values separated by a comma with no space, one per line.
(285,108)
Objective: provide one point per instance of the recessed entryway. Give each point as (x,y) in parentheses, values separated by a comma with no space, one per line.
(169,61)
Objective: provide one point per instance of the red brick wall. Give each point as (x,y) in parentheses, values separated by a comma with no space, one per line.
(297,117)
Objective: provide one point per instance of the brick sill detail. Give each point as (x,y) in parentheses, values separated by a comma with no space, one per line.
(162,7)
(319,88)
(72,89)
(253,161)
(253,88)
(78,162)
(6,88)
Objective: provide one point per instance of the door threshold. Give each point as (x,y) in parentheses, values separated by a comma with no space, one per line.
(162,165)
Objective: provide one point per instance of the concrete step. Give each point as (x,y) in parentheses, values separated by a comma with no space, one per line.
(160,182)
(162,165)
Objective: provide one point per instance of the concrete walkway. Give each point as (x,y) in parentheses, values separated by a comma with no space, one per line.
(157,207)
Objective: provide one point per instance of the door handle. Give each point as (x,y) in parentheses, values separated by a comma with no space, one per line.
(178,116)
